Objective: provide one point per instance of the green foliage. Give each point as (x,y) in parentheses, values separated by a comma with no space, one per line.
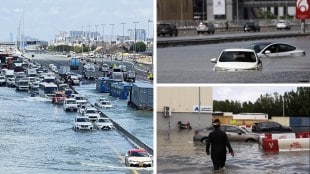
(140,47)
(67,48)
(296,103)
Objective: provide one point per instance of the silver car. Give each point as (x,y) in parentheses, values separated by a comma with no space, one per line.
(234,133)
(270,49)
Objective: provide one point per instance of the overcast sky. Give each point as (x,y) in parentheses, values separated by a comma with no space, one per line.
(247,93)
(43,19)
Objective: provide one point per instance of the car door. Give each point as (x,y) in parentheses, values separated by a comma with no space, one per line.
(234,134)
(271,51)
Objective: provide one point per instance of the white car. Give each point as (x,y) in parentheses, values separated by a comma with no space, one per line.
(82,123)
(105,104)
(104,123)
(70,104)
(81,100)
(283,24)
(238,59)
(91,113)
(271,49)
(138,158)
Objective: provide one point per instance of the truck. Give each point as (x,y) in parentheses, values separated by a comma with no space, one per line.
(89,71)
(141,96)
(31,72)
(22,84)
(74,63)
(117,74)
(63,70)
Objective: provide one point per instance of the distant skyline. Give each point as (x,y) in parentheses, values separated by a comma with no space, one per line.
(43,19)
(247,93)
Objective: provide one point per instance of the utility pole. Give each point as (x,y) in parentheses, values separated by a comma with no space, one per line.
(96,34)
(103,32)
(88,38)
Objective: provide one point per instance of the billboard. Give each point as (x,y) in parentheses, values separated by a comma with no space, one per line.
(218,7)
(303,9)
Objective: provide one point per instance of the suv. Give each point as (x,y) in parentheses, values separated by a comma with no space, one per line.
(70,104)
(207,27)
(167,29)
(251,26)
(82,123)
(270,126)
(234,133)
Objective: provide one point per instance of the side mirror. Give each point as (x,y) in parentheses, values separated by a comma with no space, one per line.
(267,52)
(213,60)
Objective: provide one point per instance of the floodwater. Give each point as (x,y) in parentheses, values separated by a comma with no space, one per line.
(191,64)
(177,153)
(37,137)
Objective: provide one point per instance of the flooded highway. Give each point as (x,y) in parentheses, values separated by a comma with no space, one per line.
(37,137)
(177,153)
(191,64)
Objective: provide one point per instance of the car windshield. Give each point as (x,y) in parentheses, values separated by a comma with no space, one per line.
(237,56)
(81,120)
(91,111)
(104,120)
(257,47)
(139,154)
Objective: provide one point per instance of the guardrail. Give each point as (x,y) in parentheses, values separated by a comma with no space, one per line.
(134,140)
(220,39)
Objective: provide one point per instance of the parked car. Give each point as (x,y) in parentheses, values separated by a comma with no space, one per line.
(283,24)
(82,123)
(251,26)
(205,27)
(237,60)
(167,29)
(273,49)
(270,126)
(104,124)
(234,133)
(138,158)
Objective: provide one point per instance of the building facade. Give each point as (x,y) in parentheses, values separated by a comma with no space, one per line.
(184,104)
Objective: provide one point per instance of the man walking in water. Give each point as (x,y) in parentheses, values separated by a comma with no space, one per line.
(218,141)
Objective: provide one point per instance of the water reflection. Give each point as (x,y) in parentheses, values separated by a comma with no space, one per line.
(177,153)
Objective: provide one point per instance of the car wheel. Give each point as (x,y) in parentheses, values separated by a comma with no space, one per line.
(250,140)
(204,140)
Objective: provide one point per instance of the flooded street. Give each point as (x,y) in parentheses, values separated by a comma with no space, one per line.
(191,64)
(37,137)
(177,153)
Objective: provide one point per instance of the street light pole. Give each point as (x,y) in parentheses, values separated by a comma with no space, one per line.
(148,28)
(96,34)
(135,38)
(103,32)
(88,38)
(82,38)
(112,32)
(123,42)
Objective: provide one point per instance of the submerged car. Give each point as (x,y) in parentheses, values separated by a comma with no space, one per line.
(234,133)
(272,49)
(205,27)
(167,29)
(237,60)
(138,158)
(251,26)
(104,124)
(92,113)
(283,24)
(82,123)
(270,126)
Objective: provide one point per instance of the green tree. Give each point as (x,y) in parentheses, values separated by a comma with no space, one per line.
(140,47)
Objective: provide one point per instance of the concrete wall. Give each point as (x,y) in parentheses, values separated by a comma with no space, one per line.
(170,123)
(285,121)
(182,99)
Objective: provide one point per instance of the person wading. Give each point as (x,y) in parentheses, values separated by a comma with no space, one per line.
(218,141)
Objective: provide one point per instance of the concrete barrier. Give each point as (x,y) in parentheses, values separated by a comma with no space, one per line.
(285,142)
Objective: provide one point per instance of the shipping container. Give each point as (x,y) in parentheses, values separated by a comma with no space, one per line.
(141,96)
(103,84)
